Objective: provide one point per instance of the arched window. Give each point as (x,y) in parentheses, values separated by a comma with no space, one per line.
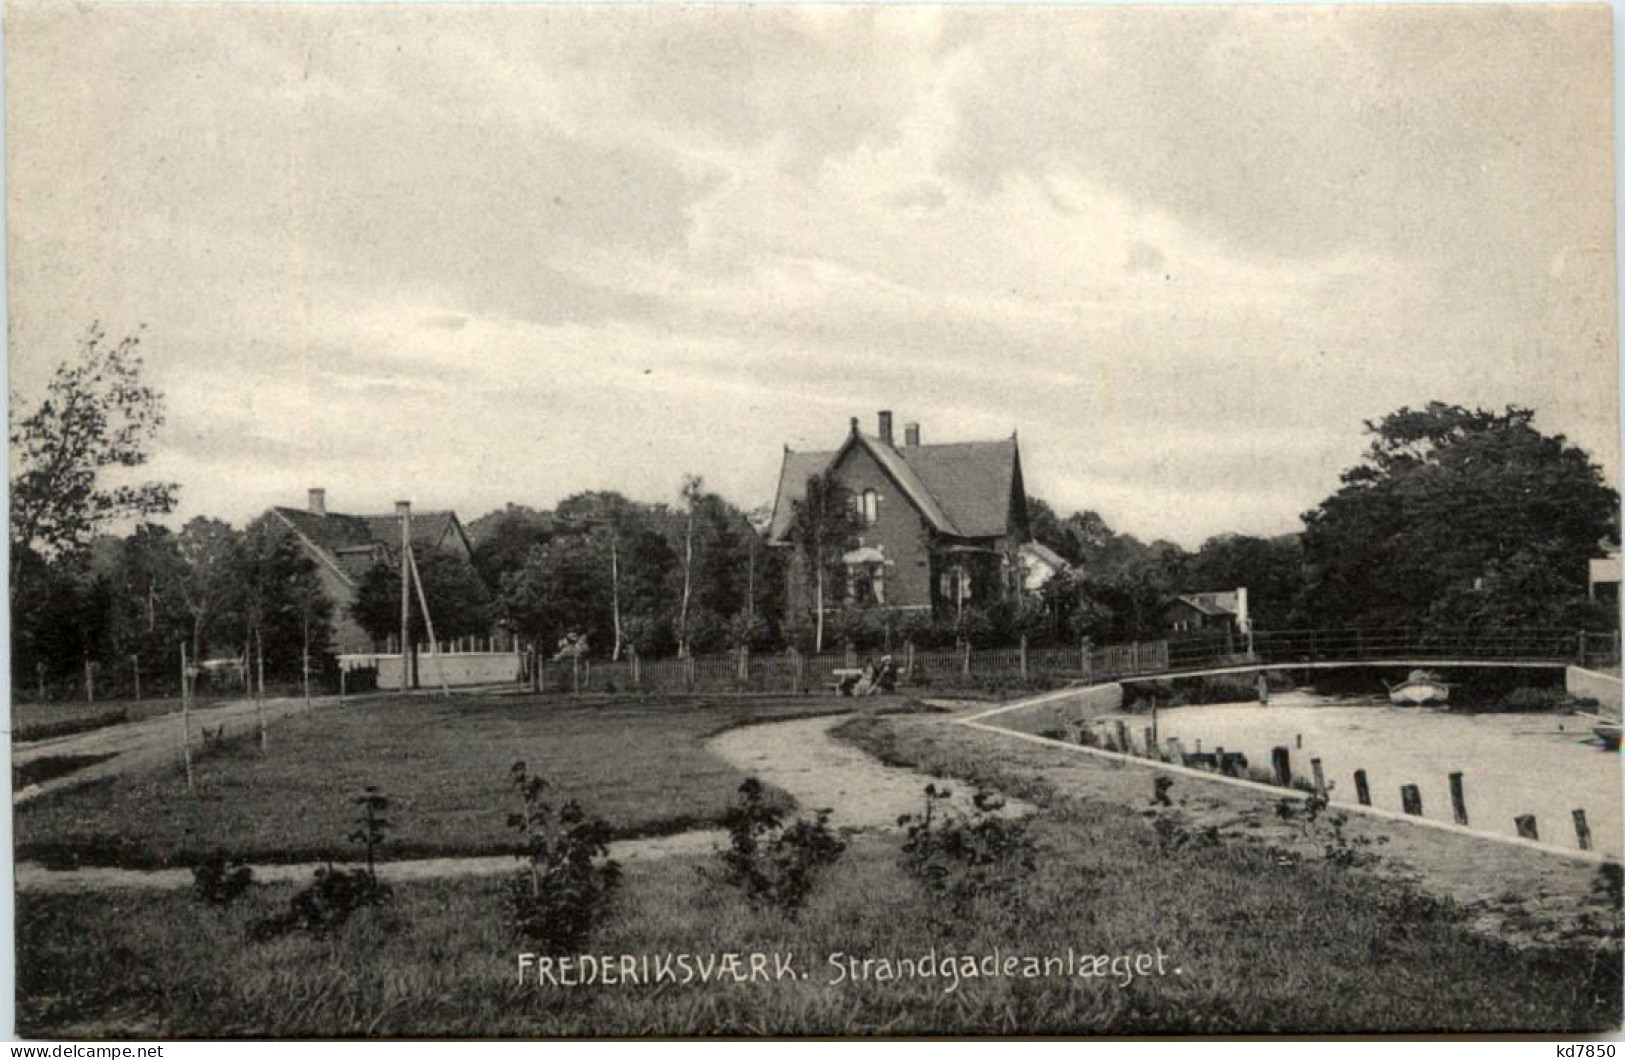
(871,507)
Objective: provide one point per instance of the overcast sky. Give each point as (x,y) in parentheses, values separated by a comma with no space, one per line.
(471,256)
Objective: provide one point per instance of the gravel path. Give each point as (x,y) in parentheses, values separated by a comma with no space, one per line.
(150,743)
(802,758)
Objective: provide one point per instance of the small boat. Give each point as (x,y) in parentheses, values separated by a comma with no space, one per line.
(1419,689)
(1608,733)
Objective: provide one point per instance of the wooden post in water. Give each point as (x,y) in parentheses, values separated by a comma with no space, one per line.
(1281,762)
(1122,737)
(1525,823)
(1176,751)
(1150,742)
(1300,741)
(1582,831)
(1362,788)
(1320,777)
(1410,796)
(1218,760)
(1458,799)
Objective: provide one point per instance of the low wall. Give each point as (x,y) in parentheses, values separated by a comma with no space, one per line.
(461,668)
(1589,684)
(1060,710)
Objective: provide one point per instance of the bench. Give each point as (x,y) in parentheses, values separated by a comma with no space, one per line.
(845,681)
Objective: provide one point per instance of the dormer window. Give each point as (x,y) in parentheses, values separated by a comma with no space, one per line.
(870,510)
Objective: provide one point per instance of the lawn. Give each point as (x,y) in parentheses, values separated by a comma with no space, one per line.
(637,762)
(1252,944)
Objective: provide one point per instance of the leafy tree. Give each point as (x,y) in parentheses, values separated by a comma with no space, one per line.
(562,587)
(503,540)
(97,416)
(1450,501)
(210,554)
(285,612)
(459,600)
(823,526)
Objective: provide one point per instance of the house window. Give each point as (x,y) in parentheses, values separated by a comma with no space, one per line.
(867,582)
(871,507)
(954,585)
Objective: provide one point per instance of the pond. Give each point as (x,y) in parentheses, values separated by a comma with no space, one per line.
(1543,764)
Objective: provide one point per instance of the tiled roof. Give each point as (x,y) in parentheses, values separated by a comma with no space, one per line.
(348,543)
(963,488)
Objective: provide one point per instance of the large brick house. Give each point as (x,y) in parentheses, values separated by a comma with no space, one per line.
(939,527)
(345,547)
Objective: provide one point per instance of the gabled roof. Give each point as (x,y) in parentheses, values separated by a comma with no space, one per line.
(963,489)
(347,543)
(1045,554)
(1212,603)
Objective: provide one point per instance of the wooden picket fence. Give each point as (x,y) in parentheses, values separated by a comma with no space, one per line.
(793,671)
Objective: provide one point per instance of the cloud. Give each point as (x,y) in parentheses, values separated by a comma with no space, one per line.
(491,254)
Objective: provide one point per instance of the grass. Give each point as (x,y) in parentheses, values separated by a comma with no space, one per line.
(637,762)
(1260,946)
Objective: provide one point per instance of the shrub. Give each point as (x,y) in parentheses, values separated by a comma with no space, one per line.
(221,879)
(962,858)
(336,895)
(775,864)
(565,886)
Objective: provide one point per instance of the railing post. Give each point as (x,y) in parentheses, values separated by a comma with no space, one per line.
(1582,646)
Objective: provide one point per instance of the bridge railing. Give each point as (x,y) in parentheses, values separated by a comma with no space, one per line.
(1314,645)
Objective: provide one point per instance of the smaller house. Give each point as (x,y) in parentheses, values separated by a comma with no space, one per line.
(1220,612)
(345,547)
(1039,564)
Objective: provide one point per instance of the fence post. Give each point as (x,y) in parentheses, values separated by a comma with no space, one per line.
(637,670)
(1024,656)
(1458,799)
(795,669)
(1281,762)
(1362,788)
(908,664)
(1410,796)
(688,672)
(135,666)
(1582,831)
(964,657)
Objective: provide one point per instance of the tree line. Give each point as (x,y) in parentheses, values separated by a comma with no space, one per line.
(1462,518)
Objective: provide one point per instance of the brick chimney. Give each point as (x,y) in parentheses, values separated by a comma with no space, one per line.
(318,501)
(885,426)
(911,434)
